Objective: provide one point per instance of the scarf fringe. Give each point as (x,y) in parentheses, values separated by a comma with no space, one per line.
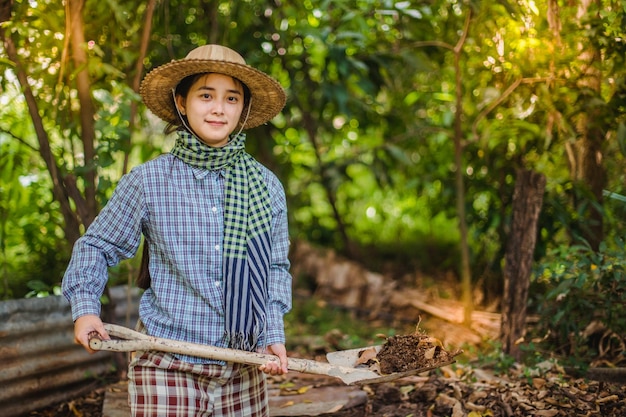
(248,343)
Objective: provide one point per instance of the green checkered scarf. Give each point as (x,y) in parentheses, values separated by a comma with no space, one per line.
(247,243)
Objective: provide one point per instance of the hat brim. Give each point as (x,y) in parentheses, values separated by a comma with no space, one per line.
(268,97)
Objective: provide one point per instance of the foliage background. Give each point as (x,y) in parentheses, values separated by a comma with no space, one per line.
(381,95)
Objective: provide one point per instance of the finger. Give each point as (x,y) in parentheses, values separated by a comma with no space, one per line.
(102,332)
(271,367)
(267,369)
(284,363)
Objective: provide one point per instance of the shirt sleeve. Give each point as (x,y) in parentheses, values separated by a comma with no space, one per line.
(113,236)
(279,285)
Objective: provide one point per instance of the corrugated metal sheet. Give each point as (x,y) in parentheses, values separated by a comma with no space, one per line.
(39,363)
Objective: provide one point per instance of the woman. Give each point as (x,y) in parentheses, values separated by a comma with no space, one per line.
(214,222)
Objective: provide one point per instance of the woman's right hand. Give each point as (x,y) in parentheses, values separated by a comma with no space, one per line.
(87,325)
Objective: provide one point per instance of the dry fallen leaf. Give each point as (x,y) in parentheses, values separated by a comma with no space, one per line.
(303,390)
(287,404)
(75,411)
(430,341)
(486,413)
(607,399)
(430,353)
(539,383)
(541,394)
(546,413)
(366,355)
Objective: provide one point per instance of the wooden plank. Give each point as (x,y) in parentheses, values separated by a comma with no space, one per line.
(311,402)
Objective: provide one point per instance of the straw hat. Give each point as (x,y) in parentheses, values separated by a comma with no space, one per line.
(268,97)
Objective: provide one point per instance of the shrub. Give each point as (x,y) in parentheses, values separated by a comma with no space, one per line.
(583,305)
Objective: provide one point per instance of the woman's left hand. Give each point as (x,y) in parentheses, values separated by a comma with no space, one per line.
(274,368)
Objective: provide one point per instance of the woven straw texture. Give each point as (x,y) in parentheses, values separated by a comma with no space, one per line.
(268,97)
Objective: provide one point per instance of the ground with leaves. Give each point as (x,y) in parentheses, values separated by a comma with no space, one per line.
(477,393)
(456,391)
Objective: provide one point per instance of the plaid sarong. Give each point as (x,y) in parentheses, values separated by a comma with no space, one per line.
(247,242)
(161,385)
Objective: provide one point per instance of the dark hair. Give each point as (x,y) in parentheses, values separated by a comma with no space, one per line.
(183,87)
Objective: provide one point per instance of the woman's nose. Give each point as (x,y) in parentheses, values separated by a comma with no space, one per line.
(218,107)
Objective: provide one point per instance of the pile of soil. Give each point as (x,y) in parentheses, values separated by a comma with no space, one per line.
(410,352)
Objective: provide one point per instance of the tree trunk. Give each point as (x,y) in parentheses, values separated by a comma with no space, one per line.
(585,156)
(87,110)
(466,275)
(136,83)
(589,169)
(527,201)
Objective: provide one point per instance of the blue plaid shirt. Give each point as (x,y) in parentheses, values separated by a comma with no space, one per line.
(179,210)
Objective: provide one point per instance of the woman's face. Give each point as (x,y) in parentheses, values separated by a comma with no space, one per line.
(213,107)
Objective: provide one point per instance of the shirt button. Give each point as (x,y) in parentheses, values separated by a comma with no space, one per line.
(214,209)
(217,283)
(217,247)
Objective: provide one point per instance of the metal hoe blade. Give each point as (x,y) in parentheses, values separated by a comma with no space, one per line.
(349,358)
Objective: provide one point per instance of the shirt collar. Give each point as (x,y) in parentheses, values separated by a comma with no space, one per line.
(201,173)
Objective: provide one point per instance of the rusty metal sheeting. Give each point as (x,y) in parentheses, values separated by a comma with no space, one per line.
(39,363)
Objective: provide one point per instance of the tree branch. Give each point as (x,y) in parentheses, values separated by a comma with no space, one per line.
(503,97)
